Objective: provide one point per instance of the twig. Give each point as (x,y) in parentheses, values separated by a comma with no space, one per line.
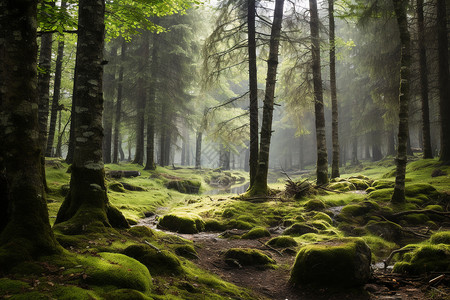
(271,248)
(152,246)
(388,260)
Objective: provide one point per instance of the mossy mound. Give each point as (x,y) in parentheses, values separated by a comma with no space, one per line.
(126,294)
(141,231)
(387,230)
(248,257)
(282,242)
(298,229)
(319,224)
(214,225)
(116,187)
(356,210)
(182,223)
(337,263)
(158,262)
(229,212)
(314,204)
(342,186)
(414,219)
(185,186)
(440,238)
(239,224)
(117,270)
(324,217)
(425,259)
(382,184)
(256,233)
(186,251)
(10,286)
(360,184)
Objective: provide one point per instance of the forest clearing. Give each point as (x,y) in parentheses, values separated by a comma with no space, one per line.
(226,149)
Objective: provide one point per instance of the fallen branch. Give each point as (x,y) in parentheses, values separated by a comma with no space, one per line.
(152,246)
(388,260)
(271,248)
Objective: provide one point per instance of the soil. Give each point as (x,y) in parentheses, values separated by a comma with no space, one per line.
(274,283)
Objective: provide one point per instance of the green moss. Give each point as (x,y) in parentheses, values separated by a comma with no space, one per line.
(185,186)
(116,187)
(256,233)
(386,230)
(354,210)
(314,204)
(282,242)
(298,229)
(10,286)
(73,293)
(118,270)
(338,263)
(425,259)
(319,224)
(382,195)
(382,184)
(380,247)
(238,224)
(434,207)
(324,217)
(186,251)
(214,225)
(248,257)
(229,213)
(415,219)
(360,184)
(342,186)
(442,237)
(141,231)
(126,294)
(182,223)
(370,190)
(157,262)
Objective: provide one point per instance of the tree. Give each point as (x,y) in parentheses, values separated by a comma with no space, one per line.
(334,104)
(86,207)
(260,184)
(25,231)
(444,81)
(118,111)
(405,62)
(322,158)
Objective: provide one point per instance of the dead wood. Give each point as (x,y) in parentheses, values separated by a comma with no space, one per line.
(152,246)
(270,247)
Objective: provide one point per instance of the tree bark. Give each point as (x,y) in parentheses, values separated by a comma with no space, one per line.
(56,92)
(444,81)
(198,150)
(150,163)
(322,159)
(140,117)
(108,115)
(333,90)
(253,85)
(355,160)
(426,134)
(25,231)
(118,112)
(260,183)
(399,189)
(86,207)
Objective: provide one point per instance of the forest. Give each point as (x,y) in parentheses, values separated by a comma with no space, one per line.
(226,149)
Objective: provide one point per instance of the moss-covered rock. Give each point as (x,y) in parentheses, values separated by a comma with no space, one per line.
(342,186)
(442,237)
(298,229)
(182,223)
(185,186)
(214,225)
(186,251)
(282,241)
(117,270)
(337,263)
(229,212)
(256,233)
(414,219)
(141,231)
(116,187)
(323,216)
(126,294)
(382,184)
(386,230)
(158,262)
(239,224)
(314,204)
(248,257)
(425,259)
(360,184)
(360,209)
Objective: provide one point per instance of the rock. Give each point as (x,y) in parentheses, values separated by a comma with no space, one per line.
(424,259)
(158,262)
(282,242)
(298,229)
(314,204)
(248,257)
(256,233)
(338,263)
(342,186)
(122,173)
(182,223)
(385,229)
(184,186)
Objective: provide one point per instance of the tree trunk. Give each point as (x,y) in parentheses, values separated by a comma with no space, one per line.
(25,231)
(355,160)
(140,121)
(426,134)
(376,150)
(56,92)
(58,151)
(391,143)
(333,90)
(260,183)
(401,159)
(86,207)
(150,164)
(118,112)
(73,119)
(322,159)
(253,85)
(198,150)
(444,81)
(109,83)
(45,60)
(300,152)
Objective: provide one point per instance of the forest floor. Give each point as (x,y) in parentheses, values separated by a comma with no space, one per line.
(353,206)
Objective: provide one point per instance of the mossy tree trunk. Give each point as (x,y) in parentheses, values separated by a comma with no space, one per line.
(118,112)
(260,184)
(56,92)
(333,90)
(86,206)
(405,62)
(25,230)
(150,163)
(140,117)
(426,135)
(322,157)
(444,80)
(198,149)
(253,86)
